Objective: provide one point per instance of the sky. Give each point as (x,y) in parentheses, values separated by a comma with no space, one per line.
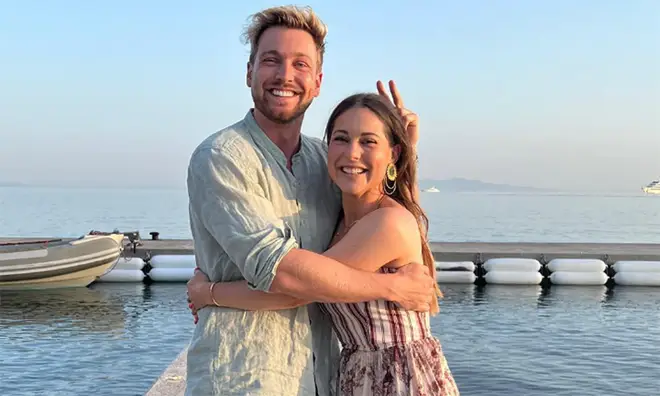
(553,94)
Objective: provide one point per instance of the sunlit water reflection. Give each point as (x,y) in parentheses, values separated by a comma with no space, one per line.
(115,339)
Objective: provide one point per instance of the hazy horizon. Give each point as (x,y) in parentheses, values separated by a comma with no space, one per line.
(557,95)
(424,183)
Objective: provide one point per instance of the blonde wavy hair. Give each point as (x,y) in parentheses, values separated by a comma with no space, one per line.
(292,17)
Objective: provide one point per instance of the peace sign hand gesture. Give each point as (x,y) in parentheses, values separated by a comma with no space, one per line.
(410,119)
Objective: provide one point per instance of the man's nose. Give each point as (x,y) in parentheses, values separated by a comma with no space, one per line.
(285,72)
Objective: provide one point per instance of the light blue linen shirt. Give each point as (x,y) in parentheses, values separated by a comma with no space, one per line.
(247,211)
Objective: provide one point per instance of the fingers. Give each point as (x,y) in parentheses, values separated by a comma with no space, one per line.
(381,90)
(396,96)
(197,278)
(422,307)
(417,306)
(426,270)
(193,311)
(191,306)
(409,118)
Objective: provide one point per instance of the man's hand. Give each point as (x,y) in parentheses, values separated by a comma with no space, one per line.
(414,287)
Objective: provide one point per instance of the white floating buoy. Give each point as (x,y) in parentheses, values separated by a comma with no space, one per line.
(578,278)
(636,266)
(173,261)
(633,278)
(512,264)
(500,277)
(172,267)
(123,275)
(455,277)
(466,266)
(576,265)
(130,263)
(171,274)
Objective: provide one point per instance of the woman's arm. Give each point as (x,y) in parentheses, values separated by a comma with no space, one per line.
(380,237)
(236,295)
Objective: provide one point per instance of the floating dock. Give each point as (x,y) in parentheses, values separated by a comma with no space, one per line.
(173,260)
(588,264)
(465,251)
(443,251)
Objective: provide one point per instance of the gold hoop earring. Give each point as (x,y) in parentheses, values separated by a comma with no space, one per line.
(390,179)
(391,172)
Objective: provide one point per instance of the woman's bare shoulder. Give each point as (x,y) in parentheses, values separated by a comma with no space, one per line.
(401,228)
(394,217)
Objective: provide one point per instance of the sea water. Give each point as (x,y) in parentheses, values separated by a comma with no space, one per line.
(116,339)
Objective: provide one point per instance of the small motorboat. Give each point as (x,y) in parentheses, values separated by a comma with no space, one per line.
(51,263)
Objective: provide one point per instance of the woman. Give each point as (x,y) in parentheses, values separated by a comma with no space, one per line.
(386,350)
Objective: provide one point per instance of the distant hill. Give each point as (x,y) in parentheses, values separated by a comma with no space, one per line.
(11,184)
(466,185)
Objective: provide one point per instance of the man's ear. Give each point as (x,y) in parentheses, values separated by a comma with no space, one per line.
(317,85)
(248,75)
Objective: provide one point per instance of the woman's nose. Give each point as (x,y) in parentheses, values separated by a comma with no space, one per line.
(354,150)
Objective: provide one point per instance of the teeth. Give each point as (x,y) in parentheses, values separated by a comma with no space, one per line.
(277,92)
(353,171)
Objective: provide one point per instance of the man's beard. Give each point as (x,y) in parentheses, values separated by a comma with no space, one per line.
(261,104)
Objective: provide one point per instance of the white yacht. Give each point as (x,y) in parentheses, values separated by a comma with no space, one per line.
(432,189)
(653,187)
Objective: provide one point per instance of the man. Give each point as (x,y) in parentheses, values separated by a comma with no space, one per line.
(262,208)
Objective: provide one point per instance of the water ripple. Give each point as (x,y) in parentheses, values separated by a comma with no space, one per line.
(580,341)
(499,340)
(110,339)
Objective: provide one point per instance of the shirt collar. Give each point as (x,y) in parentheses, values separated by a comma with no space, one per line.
(263,141)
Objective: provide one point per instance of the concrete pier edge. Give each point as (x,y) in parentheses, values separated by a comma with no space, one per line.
(172,382)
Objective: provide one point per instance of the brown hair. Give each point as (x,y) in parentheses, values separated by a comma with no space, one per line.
(406,167)
(291,17)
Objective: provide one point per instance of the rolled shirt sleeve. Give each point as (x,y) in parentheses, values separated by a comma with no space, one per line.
(233,207)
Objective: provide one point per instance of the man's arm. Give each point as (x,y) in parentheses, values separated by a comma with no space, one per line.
(380,237)
(240,217)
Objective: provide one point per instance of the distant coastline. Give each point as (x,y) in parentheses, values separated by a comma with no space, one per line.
(82,186)
(450,185)
(467,185)
(446,185)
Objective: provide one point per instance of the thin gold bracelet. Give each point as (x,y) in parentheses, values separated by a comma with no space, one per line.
(211,291)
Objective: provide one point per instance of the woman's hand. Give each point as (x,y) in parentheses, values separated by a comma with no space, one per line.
(410,119)
(199,293)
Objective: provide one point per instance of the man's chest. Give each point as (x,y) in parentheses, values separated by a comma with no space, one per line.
(305,199)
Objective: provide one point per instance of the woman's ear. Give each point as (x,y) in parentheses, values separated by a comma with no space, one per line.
(396,152)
